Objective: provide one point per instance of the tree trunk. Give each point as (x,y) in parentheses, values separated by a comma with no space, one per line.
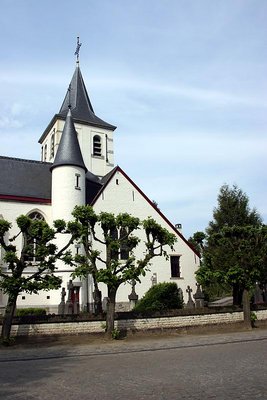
(246,308)
(7,320)
(111,310)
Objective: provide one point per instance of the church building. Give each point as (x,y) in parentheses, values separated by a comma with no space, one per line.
(76,168)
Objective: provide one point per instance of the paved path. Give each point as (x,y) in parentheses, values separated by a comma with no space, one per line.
(218,366)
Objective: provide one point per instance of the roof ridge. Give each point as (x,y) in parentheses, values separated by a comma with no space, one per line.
(25,160)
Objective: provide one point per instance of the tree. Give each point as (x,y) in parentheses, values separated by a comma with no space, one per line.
(240,255)
(232,210)
(197,241)
(38,243)
(116,263)
(160,297)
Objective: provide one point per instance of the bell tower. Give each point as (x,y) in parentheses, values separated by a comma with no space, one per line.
(95,136)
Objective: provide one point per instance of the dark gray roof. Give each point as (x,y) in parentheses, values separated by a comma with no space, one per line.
(25,178)
(81,106)
(69,152)
(32,179)
(82,110)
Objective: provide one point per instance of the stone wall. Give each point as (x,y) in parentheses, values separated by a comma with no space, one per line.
(139,324)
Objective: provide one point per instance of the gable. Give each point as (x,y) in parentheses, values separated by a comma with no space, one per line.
(120,194)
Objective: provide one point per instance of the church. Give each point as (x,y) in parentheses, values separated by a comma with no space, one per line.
(76,168)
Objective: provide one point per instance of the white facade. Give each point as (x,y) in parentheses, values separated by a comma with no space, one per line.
(99,160)
(133,201)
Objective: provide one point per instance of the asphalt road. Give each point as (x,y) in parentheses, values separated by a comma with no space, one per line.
(221,366)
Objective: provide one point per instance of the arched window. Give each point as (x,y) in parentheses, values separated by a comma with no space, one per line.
(36,216)
(97,145)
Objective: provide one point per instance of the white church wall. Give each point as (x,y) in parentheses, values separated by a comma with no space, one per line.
(129,199)
(10,211)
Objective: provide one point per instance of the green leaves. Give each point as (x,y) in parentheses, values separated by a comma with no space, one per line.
(116,263)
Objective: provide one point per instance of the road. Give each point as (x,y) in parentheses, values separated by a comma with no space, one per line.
(219,366)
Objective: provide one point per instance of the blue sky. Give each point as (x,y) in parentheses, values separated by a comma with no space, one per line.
(183,80)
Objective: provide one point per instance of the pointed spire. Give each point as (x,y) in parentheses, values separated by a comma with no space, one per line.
(81,106)
(69,152)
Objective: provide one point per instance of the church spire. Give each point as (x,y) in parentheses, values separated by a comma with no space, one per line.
(81,106)
(69,152)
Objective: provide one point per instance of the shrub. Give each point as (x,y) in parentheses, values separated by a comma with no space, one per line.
(163,296)
(21,312)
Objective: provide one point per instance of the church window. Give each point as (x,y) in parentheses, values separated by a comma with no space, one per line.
(52,146)
(35,215)
(45,152)
(175,266)
(124,250)
(97,145)
(114,250)
(77,185)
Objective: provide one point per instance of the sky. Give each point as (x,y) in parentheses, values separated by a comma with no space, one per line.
(184,81)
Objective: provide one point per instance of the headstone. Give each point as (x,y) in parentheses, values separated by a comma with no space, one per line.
(133,297)
(258,295)
(61,306)
(69,303)
(190,303)
(98,307)
(199,297)
(105,304)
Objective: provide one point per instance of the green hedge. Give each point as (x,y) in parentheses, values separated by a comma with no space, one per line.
(163,296)
(21,312)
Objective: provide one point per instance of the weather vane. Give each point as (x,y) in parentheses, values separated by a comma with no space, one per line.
(78,49)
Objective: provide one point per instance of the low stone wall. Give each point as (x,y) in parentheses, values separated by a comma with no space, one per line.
(138,324)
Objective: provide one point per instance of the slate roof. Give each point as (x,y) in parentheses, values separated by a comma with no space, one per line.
(30,181)
(25,178)
(69,152)
(81,106)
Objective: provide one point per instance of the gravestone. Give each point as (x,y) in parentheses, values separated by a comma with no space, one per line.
(190,303)
(199,297)
(133,297)
(69,303)
(61,306)
(258,295)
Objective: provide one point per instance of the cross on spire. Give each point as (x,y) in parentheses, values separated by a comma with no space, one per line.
(77,49)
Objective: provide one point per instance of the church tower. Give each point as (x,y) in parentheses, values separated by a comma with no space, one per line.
(95,136)
(68,174)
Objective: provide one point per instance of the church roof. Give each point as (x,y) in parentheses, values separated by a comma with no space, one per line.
(30,181)
(81,106)
(69,152)
(25,179)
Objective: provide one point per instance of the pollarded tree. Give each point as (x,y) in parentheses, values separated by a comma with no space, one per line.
(117,263)
(37,243)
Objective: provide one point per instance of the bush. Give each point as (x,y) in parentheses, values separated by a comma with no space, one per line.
(163,296)
(21,312)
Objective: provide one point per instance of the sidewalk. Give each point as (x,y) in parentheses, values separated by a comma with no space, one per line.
(95,347)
